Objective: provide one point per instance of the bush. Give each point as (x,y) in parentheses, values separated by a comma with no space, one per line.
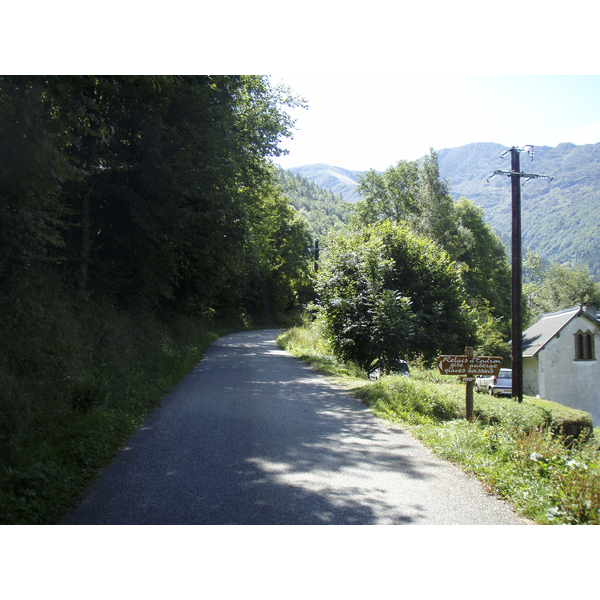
(386,293)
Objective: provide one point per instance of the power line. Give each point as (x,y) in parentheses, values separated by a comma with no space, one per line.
(528,176)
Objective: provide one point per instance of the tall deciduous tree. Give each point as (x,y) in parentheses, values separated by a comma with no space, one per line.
(389,195)
(553,286)
(276,253)
(413,193)
(386,293)
(33,132)
(148,183)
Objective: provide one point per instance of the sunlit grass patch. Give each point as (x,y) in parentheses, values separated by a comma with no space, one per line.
(535,454)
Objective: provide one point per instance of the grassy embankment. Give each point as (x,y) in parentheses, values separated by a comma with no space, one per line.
(75,383)
(518,451)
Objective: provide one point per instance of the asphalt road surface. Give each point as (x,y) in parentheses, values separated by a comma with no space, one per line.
(254,436)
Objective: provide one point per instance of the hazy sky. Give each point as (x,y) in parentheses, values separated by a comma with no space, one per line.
(361,125)
(384,80)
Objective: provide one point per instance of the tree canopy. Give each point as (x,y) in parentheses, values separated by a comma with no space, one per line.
(153,191)
(550,287)
(413,193)
(386,293)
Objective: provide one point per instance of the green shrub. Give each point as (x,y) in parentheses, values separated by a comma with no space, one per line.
(385,293)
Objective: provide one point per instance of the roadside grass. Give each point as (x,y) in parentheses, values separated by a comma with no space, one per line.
(67,426)
(524,453)
(75,384)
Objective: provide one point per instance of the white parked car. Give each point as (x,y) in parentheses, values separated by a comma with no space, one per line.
(501,384)
(400,367)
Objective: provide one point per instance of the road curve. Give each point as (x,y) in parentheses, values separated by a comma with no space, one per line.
(254,436)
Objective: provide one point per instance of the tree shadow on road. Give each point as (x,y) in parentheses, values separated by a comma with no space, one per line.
(254,436)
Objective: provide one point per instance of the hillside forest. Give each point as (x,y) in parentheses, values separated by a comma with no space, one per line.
(322,209)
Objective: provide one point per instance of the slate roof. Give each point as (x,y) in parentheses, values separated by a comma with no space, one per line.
(540,333)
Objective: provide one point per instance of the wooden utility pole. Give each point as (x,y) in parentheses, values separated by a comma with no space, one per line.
(517,266)
(316,255)
(517,279)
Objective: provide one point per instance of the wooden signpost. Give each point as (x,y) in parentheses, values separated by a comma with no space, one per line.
(470,367)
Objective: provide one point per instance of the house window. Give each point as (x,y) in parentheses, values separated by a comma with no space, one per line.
(584,345)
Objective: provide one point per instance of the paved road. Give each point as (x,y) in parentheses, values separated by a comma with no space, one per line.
(254,436)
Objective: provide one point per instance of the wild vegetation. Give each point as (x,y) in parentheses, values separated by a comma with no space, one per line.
(550,286)
(417,274)
(386,293)
(520,452)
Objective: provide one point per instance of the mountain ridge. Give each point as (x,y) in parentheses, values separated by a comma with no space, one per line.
(560,218)
(336,179)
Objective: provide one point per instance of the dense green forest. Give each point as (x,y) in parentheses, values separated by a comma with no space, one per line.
(154,191)
(134,210)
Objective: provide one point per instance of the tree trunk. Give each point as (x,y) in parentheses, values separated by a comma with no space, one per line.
(86,224)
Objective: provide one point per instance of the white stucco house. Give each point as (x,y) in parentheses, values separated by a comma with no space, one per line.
(559,359)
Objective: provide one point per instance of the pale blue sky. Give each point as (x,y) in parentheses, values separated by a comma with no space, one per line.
(374,125)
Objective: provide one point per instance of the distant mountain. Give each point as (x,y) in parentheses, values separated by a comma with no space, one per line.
(560,218)
(338,180)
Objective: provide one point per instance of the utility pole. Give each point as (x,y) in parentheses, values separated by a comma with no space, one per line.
(517,265)
(316,255)
(516,328)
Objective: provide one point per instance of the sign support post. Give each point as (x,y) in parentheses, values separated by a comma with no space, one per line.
(470,366)
(469,391)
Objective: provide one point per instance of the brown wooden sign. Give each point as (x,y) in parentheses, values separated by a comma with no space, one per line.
(469,365)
